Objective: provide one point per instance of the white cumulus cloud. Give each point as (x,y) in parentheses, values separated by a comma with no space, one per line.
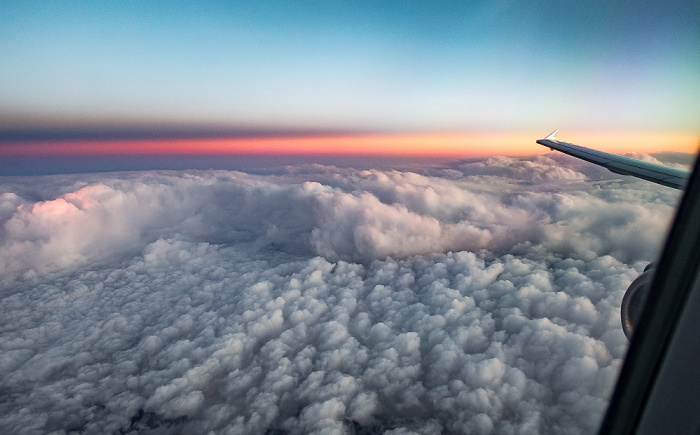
(479,298)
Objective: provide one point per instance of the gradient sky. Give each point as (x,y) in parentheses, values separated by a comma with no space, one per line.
(142,68)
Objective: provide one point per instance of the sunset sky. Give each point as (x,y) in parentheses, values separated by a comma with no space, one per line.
(329,216)
(441,78)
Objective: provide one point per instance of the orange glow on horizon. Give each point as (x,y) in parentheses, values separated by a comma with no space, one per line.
(465,145)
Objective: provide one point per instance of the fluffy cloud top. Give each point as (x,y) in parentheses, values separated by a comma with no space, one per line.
(481,298)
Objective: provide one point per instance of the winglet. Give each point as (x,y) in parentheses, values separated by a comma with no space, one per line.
(552,135)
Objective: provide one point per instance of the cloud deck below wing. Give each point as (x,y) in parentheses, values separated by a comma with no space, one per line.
(224,301)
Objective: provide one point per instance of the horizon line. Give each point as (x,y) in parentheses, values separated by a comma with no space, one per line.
(475,144)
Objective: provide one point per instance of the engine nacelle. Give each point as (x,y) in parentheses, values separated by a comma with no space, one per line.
(634,299)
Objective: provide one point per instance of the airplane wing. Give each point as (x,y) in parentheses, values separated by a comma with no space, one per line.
(660,174)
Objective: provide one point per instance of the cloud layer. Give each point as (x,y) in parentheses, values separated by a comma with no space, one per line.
(479,298)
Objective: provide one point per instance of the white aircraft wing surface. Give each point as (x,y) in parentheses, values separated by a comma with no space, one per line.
(671,177)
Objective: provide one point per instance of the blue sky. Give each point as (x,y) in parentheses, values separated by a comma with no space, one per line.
(351,65)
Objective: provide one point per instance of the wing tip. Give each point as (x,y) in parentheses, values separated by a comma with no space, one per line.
(552,135)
